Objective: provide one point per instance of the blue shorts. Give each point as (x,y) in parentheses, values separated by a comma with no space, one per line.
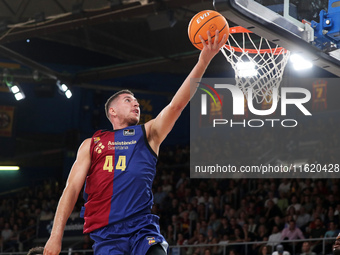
(131,237)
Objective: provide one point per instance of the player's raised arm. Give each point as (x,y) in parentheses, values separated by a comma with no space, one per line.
(158,128)
(69,197)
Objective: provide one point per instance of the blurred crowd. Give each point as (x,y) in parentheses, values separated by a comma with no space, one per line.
(21,211)
(215,211)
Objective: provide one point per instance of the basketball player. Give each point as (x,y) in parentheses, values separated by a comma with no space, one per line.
(119,167)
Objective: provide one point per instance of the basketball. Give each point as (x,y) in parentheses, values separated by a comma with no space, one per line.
(204,21)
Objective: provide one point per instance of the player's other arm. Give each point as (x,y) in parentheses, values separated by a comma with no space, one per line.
(69,197)
(158,128)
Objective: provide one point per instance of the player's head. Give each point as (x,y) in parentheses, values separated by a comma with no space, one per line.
(124,107)
(36,251)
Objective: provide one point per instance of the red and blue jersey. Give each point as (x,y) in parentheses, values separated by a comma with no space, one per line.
(119,183)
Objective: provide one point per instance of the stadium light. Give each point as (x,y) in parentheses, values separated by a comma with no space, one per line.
(299,62)
(64,89)
(9,168)
(16,90)
(246,69)
(13,87)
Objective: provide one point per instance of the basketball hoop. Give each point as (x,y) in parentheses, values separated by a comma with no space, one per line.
(259,67)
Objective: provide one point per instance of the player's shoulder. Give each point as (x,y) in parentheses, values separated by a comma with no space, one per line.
(85,144)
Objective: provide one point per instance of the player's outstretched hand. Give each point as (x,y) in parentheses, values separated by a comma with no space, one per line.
(210,49)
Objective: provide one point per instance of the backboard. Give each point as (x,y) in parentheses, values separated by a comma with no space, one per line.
(289,24)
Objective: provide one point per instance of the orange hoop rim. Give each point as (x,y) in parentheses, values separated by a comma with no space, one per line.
(239,30)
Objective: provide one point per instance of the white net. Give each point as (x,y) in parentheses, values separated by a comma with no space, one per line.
(257,63)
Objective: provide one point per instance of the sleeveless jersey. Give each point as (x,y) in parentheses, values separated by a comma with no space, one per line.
(119,183)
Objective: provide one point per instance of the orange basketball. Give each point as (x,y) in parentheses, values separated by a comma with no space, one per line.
(204,21)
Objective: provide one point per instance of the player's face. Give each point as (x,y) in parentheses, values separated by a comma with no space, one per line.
(127,109)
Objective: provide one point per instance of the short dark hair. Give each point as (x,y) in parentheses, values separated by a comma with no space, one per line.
(113,97)
(36,251)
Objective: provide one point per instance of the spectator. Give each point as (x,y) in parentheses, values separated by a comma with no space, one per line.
(294,203)
(214,223)
(203,227)
(185,224)
(318,231)
(217,204)
(307,184)
(201,240)
(277,221)
(6,234)
(280,251)
(291,212)
(248,236)
(233,225)
(330,216)
(237,236)
(330,201)
(199,196)
(284,186)
(169,236)
(242,219)
(337,210)
(264,250)
(14,241)
(272,210)
(182,241)
(233,252)
(260,236)
(243,207)
(225,228)
(275,237)
(210,236)
(306,249)
(216,250)
(167,187)
(176,224)
(183,179)
(282,202)
(159,196)
(332,230)
(202,212)
(302,219)
(292,232)
(270,197)
(307,204)
(252,226)
(294,187)
(229,212)
(193,216)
